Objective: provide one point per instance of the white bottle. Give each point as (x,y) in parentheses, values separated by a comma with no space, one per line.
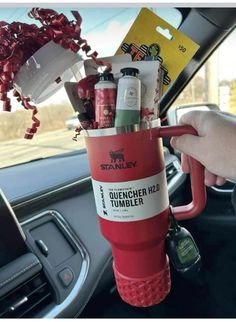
(128,101)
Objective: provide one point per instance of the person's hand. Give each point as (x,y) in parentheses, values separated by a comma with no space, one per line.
(214,147)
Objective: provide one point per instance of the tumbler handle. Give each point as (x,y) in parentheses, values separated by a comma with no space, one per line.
(196,175)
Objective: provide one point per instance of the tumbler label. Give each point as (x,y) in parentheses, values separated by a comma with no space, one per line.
(131,200)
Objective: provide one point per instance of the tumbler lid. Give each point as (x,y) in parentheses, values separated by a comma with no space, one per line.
(46,71)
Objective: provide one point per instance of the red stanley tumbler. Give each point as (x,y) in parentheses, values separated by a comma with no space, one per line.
(130,189)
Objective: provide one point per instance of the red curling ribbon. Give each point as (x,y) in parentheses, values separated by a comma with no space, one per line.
(85,125)
(19,41)
(7,105)
(77,17)
(3,96)
(6,77)
(74,47)
(4,88)
(28,136)
(31,130)
(35,122)
(77,133)
(15,93)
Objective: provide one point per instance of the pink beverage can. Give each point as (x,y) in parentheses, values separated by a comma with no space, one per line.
(105,101)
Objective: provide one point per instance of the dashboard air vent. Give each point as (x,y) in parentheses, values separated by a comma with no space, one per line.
(27,299)
(171,171)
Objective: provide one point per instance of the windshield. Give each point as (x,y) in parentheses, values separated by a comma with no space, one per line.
(215,82)
(104,29)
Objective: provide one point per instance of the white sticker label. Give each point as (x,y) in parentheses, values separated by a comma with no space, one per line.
(131,200)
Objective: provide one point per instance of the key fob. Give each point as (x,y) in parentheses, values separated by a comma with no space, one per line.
(182,249)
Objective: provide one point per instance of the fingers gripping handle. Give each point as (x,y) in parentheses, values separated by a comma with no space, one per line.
(196,174)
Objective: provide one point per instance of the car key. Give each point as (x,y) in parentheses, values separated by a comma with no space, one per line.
(182,249)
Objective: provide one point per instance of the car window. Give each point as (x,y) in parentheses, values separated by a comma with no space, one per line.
(56,114)
(215,82)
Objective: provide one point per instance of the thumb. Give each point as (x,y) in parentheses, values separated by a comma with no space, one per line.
(188,144)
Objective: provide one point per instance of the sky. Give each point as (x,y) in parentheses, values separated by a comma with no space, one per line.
(94,18)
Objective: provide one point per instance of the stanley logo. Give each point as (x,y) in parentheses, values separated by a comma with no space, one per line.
(118,161)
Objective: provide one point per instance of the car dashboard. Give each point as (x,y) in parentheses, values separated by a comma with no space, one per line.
(53,201)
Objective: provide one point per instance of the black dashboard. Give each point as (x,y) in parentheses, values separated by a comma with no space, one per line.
(53,201)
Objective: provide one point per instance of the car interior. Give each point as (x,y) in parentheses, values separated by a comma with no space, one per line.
(54,261)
